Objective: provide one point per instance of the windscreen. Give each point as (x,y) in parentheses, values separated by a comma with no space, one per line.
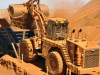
(57,30)
(61,30)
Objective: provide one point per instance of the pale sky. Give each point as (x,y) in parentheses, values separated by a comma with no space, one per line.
(51,3)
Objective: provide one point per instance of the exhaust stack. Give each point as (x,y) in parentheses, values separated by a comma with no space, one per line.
(79,34)
(72,34)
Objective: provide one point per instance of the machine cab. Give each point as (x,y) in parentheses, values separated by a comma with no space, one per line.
(57,28)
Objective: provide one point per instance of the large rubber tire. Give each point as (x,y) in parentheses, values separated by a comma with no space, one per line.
(54,63)
(26,49)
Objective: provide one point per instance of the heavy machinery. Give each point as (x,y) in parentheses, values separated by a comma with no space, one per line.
(63,52)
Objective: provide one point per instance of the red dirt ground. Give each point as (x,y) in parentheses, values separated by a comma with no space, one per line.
(13,66)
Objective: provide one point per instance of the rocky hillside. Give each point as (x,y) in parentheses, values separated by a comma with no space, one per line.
(87,18)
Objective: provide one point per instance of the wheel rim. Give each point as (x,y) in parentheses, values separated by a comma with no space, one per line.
(27,50)
(53,63)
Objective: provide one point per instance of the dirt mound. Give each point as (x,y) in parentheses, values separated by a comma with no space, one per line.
(88,20)
(4,14)
(5,71)
(19,67)
(88,5)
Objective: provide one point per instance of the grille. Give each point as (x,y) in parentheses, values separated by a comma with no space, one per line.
(91,58)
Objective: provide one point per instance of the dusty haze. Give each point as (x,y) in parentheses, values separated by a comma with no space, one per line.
(63,8)
(66,8)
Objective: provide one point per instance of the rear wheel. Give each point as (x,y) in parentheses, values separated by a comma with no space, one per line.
(54,63)
(26,49)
